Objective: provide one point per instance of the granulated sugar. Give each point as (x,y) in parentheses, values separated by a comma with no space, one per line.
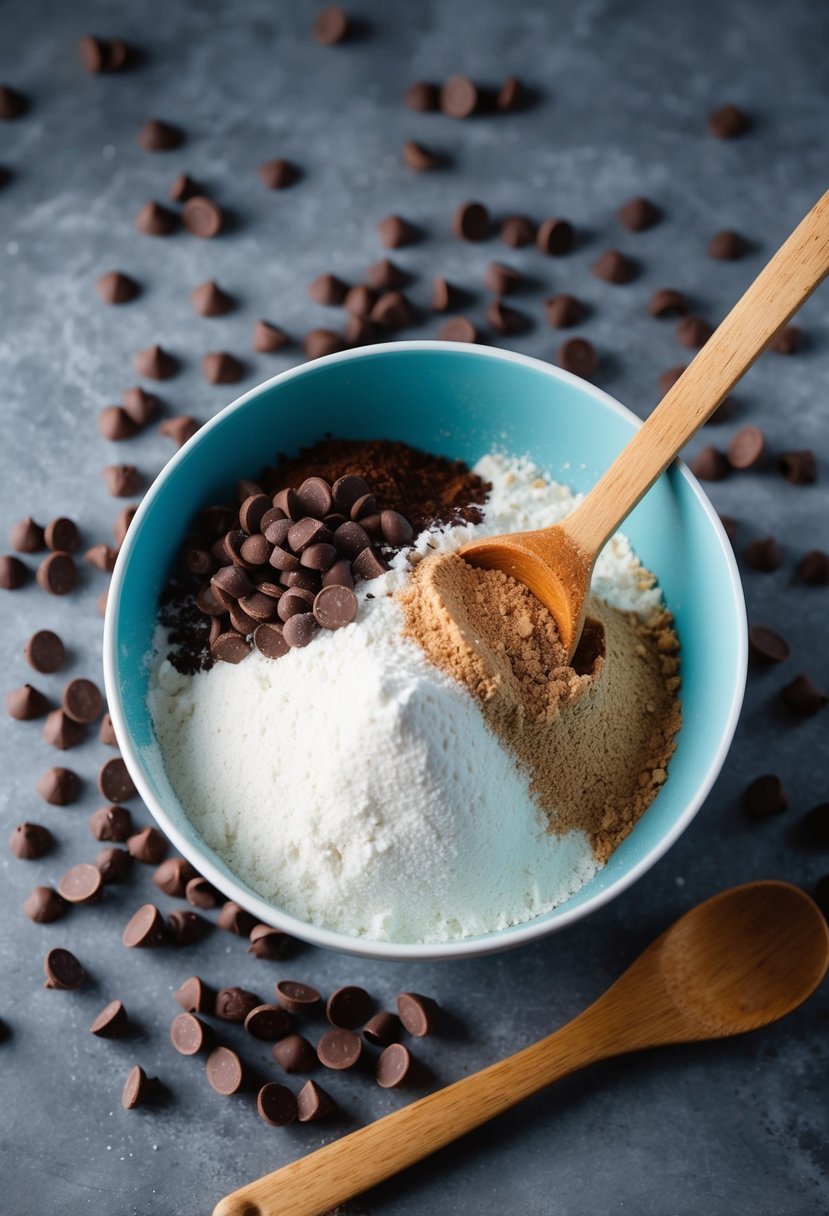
(361,787)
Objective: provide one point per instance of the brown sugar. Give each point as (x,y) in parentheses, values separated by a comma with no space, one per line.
(595,736)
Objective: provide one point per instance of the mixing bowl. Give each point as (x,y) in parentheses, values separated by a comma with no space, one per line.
(460,401)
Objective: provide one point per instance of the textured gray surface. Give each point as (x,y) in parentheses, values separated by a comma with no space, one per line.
(624,90)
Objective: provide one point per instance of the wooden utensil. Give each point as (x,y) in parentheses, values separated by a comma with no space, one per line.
(556,563)
(734,963)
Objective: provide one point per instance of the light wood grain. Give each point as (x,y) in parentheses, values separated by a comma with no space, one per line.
(556,563)
(736,962)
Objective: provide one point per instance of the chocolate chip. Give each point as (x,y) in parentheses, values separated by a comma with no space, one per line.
(296,997)
(393,1067)
(224,1071)
(578,356)
(117,288)
(564,311)
(12,103)
(62,969)
(81,884)
(728,122)
(294,1054)
(114,864)
(348,1007)
(147,846)
(155,363)
(268,943)
(57,573)
(30,841)
(505,320)
(115,424)
(458,329)
(26,703)
(61,731)
(189,1034)
(668,303)
(234,1004)
(787,341)
(334,607)
(709,464)
(314,1103)
(27,536)
(339,1049)
(183,188)
(383,1029)
(471,222)
(235,919)
(384,275)
(220,367)
(419,1014)
(173,875)
(122,523)
(813,568)
(555,237)
(445,297)
(747,448)
(392,311)
(111,823)
(202,217)
(138,1088)
(727,246)
(82,701)
(799,468)
(267,1022)
(517,231)
(339,575)
(638,214)
(13,573)
(459,97)
(614,267)
(320,342)
(419,158)
(114,781)
(422,97)
(276,1105)
(803,696)
(766,645)
(268,338)
(298,630)
(330,25)
(158,136)
(510,96)
(112,1022)
(93,53)
(184,927)
(359,301)
(44,906)
(693,332)
(155,220)
(396,529)
(195,996)
(764,797)
(269,641)
(669,377)
(201,893)
(764,554)
(59,786)
(327,289)
(180,429)
(209,300)
(102,557)
(144,929)
(394,232)
(278,174)
(816,824)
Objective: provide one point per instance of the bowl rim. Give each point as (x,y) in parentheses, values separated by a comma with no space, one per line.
(497,940)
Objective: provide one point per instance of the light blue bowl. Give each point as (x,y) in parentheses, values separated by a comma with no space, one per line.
(460,401)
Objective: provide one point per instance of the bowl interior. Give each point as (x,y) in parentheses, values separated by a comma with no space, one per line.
(461,403)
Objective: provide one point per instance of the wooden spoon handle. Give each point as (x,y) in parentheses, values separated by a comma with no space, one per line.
(790,277)
(352,1164)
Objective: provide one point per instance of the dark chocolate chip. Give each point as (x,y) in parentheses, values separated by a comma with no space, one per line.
(184,927)
(57,573)
(93,53)
(419,158)
(614,267)
(510,96)
(202,217)
(122,522)
(81,884)
(230,647)
(564,311)
(267,1022)
(813,568)
(458,329)
(173,875)
(799,468)
(30,841)
(158,136)
(145,929)
(112,1022)
(339,1049)
(189,1034)
(268,943)
(298,630)
(114,781)
(13,573)
(578,356)
(115,424)
(384,275)
(26,536)
(268,338)
(12,103)
(747,448)
(394,232)
(727,246)
(296,997)
(419,1014)
(155,363)
(141,406)
(334,607)
(787,341)
(111,823)
(294,1054)
(709,464)
(209,300)
(114,864)
(61,732)
(320,342)
(459,98)
(803,696)
(234,1004)
(235,919)
(183,188)
(330,25)
(62,969)
(730,525)
(383,1029)
(728,122)
(471,222)
(368,564)
(82,701)
(668,303)
(195,996)
(224,1071)
(269,641)
(278,174)
(637,214)
(764,797)
(767,645)
(117,288)
(764,554)
(693,332)
(201,893)
(59,786)
(816,825)
(220,367)
(348,1007)
(155,220)
(26,703)
(44,906)
(517,231)
(138,1088)
(393,1067)
(147,846)
(555,237)
(102,557)
(276,1105)
(422,97)
(327,289)
(392,311)
(669,377)
(314,1103)
(505,320)
(180,429)
(359,331)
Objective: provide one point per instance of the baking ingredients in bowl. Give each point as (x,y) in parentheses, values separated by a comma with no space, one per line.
(419,774)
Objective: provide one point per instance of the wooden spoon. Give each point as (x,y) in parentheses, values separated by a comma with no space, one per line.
(556,563)
(734,963)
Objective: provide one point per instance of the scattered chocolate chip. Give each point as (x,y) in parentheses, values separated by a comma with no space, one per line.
(106,733)
(727,246)
(419,1014)
(268,338)
(334,607)
(138,1088)
(30,841)
(445,296)
(471,222)
(141,406)
(764,797)
(799,468)
(219,367)
(393,1067)
(578,356)
(115,287)
(730,525)
(268,943)
(102,557)
(184,927)
(299,629)
(422,97)
(564,311)
(764,554)
(555,237)
(26,703)
(224,1071)
(13,573)
(319,342)
(267,1022)
(313,1102)
(201,893)
(209,300)
(458,329)
(57,573)
(115,424)
(327,289)
(234,1004)
(294,1054)
(709,464)
(278,174)
(517,231)
(384,275)
(114,781)
(510,96)
(383,1029)
(61,731)
(111,823)
(27,536)
(348,1007)
(296,997)
(614,267)
(360,300)
(45,651)
(276,1105)
(394,232)
(93,53)
(392,311)
(59,786)
(82,701)
(12,103)
(339,1049)
(813,568)
(61,535)
(112,1022)
(728,122)
(158,136)
(330,25)
(816,824)
(81,884)
(693,332)
(638,214)
(669,377)
(269,641)
(144,929)
(114,864)
(202,217)
(183,188)
(505,320)
(180,429)
(767,645)
(803,696)
(62,969)
(459,97)
(122,523)
(787,341)
(195,996)
(235,919)
(44,906)
(147,845)
(173,875)
(189,1034)
(747,448)
(121,480)
(155,220)
(419,158)
(155,363)
(668,303)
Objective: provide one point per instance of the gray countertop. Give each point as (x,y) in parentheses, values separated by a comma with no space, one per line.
(623,91)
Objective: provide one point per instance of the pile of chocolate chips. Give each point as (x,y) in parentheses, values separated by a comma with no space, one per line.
(281,563)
